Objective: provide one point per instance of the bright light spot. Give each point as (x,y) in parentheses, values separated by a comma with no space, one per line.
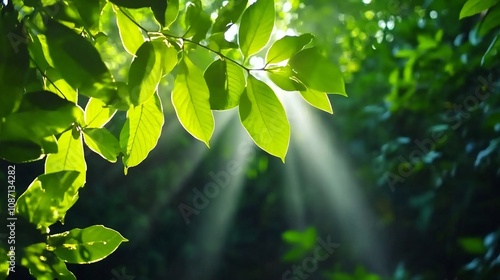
(251,2)
(381,24)
(231,33)
(433,14)
(367,1)
(287,7)
(224,3)
(257,62)
(389,37)
(214,15)
(390,25)
(369,15)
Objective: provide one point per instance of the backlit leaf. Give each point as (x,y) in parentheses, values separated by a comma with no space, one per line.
(472,7)
(70,157)
(45,265)
(285,78)
(229,15)
(102,142)
(286,47)
(141,131)
(48,198)
(264,118)
(197,21)
(226,82)
(97,114)
(39,115)
(130,34)
(79,63)
(257,23)
(317,72)
(145,72)
(83,246)
(191,100)
(317,99)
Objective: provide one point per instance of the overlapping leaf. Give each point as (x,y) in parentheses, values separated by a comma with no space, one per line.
(226,82)
(70,157)
(130,34)
(286,47)
(48,198)
(146,71)
(317,72)
(44,264)
(102,142)
(97,114)
(79,63)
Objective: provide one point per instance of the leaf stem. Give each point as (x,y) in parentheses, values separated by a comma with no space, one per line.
(46,77)
(193,42)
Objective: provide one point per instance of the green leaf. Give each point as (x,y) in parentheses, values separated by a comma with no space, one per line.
(102,142)
(134,4)
(286,47)
(197,21)
(169,54)
(285,78)
(97,114)
(256,26)
(226,82)
(45,265)
(171,12)
(317,72)
(191,100)
(472,245)
(145,72)
(14,63)
(472,7)
(141,131)
(264,118)
(69,157)
(48,198)
(20,151)
(229,15)
(317,99)
(84,246)
(217,42)
(490,21)
(79,63)
(56,84)
(165,11)
(40,114)
(89,11)
(130,34)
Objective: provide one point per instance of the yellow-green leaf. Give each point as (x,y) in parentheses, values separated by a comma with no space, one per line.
(317,99)
(257,23)
(264,118)
(97,114)
(102,142)
(141,131)
(190,98)
(69,157)
(130,33)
